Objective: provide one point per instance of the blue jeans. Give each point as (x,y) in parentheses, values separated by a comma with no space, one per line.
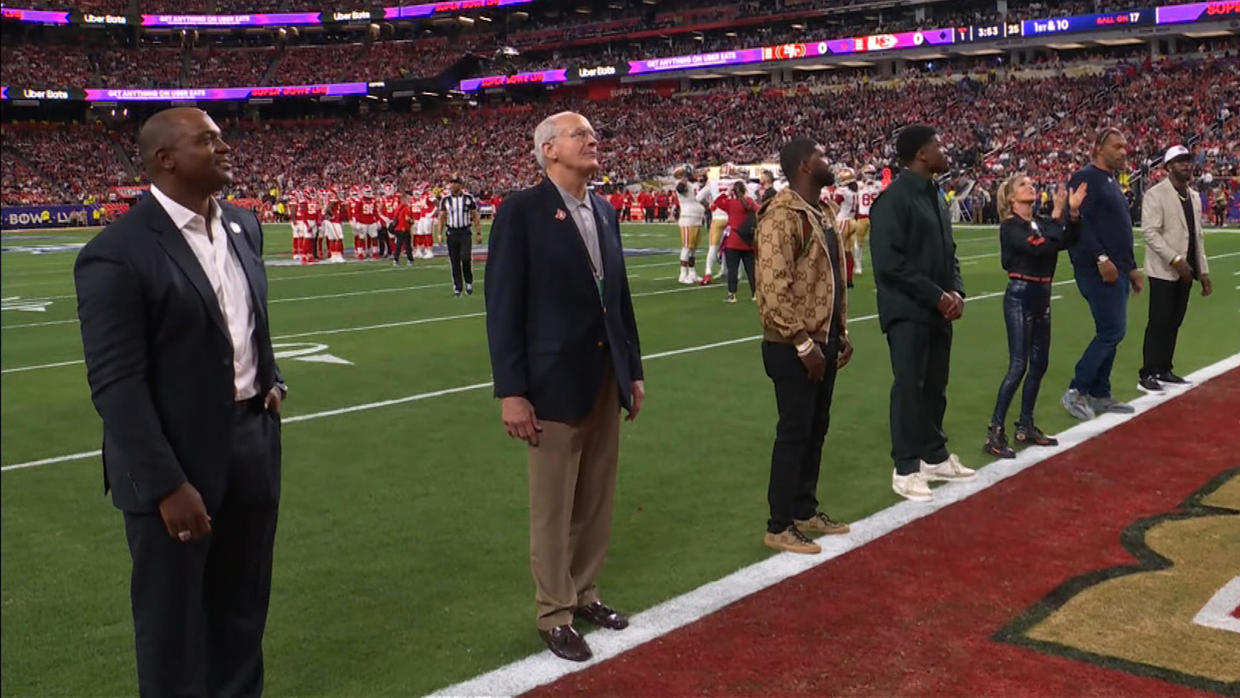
(1108,303)
(1027,312)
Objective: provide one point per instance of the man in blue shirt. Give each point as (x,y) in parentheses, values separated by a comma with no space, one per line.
(1106,271)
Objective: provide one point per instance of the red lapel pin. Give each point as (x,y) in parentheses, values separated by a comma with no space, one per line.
(560,214)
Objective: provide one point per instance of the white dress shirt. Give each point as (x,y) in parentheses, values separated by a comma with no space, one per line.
(229,283)
(583,215)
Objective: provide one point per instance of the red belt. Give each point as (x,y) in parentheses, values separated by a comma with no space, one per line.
(1034,279)
(863,216)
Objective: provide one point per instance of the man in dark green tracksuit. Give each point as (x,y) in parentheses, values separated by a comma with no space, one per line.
(920,293)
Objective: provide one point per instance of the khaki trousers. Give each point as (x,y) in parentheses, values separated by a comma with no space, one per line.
(572,481)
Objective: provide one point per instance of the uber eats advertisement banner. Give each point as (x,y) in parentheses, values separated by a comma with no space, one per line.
(24,217)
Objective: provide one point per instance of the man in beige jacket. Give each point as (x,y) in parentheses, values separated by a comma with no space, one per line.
(802,304)
(1175,255)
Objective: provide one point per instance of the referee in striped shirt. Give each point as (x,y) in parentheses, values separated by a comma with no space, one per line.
(457,210)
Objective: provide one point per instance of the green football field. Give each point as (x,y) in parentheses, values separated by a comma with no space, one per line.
(401,559)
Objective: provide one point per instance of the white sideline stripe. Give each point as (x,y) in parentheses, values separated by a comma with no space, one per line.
(385,325)
(386,403)
(543,668)
(437,393)
(347,294)
(57,459)
(345,330)
(39,324)
(21,369)
(1217,611)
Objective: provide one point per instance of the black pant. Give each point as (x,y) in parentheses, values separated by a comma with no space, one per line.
(403,239)
(1027,312)
(920,356)
(384,231)
(460,257)
(200,608)
(804,415)
(1168,304)
(734,273)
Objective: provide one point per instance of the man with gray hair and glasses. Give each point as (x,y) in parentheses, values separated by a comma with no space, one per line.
(565,358)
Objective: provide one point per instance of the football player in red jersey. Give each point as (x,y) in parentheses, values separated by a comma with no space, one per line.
(366,214)
(337,214)
(388,203)
(297,209)
(314,220)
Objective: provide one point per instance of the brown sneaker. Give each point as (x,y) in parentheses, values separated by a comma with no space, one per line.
(821,523)
(793,541)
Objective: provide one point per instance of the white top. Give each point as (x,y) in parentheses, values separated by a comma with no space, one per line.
(229,283)
(867,192)
(690,206)
(715,188)
(848,203)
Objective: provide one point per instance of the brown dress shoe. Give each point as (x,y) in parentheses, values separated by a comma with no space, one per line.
(566,643)
(603,616)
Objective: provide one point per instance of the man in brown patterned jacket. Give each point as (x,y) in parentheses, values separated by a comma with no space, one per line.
(803,308)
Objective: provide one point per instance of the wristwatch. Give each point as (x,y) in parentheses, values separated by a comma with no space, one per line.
(1103,259)
(283,388)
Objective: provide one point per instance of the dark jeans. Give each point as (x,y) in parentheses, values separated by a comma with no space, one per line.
(1027,311)
(920,358)
(461,257)
(1108,303)
(200,608)
(1168,304)
(804,415)
(404,239)
(734,272)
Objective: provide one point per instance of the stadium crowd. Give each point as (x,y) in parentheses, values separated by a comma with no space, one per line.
(342,59)
(1036,120)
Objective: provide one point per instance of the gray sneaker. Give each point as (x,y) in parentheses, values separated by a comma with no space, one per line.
(1110,404)
(1077,404)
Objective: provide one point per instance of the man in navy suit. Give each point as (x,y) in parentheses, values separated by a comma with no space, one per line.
(566,358)
(172,300)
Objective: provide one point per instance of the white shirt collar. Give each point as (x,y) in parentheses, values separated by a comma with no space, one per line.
(181,216)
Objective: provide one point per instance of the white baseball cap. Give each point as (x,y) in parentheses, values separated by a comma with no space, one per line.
(1176,151)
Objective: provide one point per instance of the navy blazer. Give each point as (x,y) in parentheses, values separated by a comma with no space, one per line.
(158,356)
(549,331)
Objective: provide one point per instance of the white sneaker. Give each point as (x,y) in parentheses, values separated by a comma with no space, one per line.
(683,274)
(950,469)
(692,277)
(915,486)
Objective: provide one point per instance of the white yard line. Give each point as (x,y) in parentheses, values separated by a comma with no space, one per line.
(447,391)
(342,330)
(544,668)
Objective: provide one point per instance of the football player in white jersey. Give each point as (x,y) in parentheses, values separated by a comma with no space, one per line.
(846,218)
(718,218)
(692,217)
(867,192)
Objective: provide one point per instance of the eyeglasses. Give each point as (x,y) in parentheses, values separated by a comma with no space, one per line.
(582,133)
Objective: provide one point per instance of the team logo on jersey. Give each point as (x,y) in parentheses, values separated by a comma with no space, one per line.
(1173,615)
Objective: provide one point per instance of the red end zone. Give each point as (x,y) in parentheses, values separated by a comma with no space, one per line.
(952,603)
